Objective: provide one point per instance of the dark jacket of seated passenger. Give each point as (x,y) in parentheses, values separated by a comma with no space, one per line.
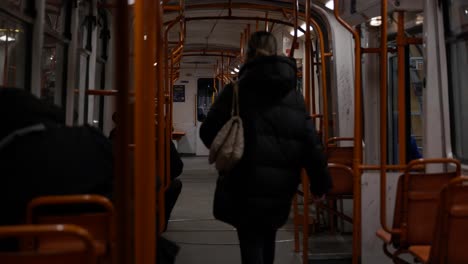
(279,139)
(40,156)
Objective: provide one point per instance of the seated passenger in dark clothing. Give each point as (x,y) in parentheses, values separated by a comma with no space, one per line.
(176,167)
(41,156)
(175,187)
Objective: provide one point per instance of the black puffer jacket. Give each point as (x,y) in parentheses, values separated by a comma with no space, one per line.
(279,140)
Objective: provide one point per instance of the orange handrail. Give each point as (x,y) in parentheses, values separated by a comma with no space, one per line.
(357,135)
(69,199)
(145,154)
(307,62)
(296,17)
(28,231)
(401,87)
(160,97)
(383,116)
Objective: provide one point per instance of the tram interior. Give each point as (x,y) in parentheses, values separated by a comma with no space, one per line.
(383,111)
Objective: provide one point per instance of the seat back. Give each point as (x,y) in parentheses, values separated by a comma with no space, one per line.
(451,231)
(93,212)
(342,178)
(417,199)
(340,154)
(82,253)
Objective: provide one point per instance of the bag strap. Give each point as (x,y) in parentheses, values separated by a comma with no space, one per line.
(21,132)
(235,100)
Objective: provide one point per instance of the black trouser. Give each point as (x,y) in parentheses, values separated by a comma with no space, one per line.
(257,245)
(171,196)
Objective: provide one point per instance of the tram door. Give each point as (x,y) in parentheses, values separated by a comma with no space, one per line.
(204,99)
(415,76)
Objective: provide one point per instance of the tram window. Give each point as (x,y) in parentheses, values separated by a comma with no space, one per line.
(52,71)
(414,76)
(456,27)
(205,97)
(416,79)
(86,24)
(19,6)
(53,61)
(13,44)
(55,15)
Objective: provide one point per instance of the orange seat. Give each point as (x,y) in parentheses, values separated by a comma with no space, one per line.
(340,164)
(416,206)
(450,237)
(343,182)
(340,154)
(82,253)
(95,213)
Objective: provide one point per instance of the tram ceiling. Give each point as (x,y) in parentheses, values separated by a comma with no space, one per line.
(215,28)
(213,25)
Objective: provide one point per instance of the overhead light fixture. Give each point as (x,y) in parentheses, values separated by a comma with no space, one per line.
(300,33)
(419,20)
(131,2)
(236,69)
(466,12)
(4,38)
(376,21)
(233,72)
(330,4)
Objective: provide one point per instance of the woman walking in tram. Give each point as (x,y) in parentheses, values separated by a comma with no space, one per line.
(256,195)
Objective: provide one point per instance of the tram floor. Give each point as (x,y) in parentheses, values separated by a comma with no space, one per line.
(202,239)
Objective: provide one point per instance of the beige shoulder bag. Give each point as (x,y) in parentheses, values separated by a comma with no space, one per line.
(228,146)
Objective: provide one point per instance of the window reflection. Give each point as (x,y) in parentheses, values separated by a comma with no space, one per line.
(205,97)
(55,15)
(13,39)
(52,71)
(456,13)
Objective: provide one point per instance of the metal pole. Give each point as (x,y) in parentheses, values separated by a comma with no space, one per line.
(296,11)
(308,54)
(383,115)
(357,160)
(159,95)
(401,55)
(145,154)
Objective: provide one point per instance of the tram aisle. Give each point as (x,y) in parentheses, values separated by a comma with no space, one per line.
(202,239)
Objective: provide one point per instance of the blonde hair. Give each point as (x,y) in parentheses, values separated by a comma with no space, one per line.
(261,43)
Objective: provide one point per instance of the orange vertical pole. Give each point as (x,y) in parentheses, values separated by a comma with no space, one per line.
(123,189)
(296,17)
(401,46)
(307,55)
(305,222)
(312,84)
(160,135)
(145,170)
(325,96)
(383,116)
(357,136)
